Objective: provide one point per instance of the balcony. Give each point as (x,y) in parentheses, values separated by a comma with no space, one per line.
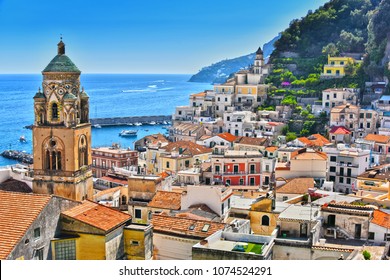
(348,165)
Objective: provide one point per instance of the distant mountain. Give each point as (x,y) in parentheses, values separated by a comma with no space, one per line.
(220,71)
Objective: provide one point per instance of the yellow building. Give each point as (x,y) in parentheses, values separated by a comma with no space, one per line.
(138,240)
(336,66)
(263,219)
(90,231)
(62,132)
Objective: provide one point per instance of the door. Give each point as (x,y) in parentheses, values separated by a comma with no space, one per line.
(303,231)
(331,220)
(358,231)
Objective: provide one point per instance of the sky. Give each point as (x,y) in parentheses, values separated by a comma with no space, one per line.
(143,36)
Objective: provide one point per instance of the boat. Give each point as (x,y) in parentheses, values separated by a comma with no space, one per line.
(165,122)
(22,139)
(128,133)
(152,123)
(130,124)
(137,124)
(97,126)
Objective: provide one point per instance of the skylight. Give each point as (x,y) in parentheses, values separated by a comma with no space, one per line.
(206,227)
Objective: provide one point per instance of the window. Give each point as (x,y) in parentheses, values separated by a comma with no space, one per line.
(341,62)
(333,158)
(351,116)
(38,254)
(217,169)
(229,203)
(134,243)
(341,180)
(187,163)
(332,178)
(252,169)
(222,208)
(226,99)
(206,227)
(37,233)
(65,250)
(361,115)
(332,169)
(368,115)
(83,151)
(334,95)
(53,154)
(241,182)
(267,166)
(167,164)
(54,111)
(252,181)
(348,181)
(341,171)
(371,235)
(265,220)
(327,98)
(138,213)
(179,112)
(228,119)
(368,125)
(285,198)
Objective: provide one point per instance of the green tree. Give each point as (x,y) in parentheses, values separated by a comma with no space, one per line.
(290,136)
(330,49)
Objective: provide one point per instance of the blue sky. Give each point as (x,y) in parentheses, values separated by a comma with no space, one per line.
(143,36)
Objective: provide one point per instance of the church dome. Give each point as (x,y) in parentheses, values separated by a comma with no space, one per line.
(61,62)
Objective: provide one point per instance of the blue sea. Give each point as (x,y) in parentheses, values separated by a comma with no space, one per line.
(111,95)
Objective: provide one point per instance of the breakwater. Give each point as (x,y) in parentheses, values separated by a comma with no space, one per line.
(18,155)
(116,121)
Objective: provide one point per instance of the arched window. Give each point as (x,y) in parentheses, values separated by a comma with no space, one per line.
(53,155)
(54,111)
(83,151)
(265,220)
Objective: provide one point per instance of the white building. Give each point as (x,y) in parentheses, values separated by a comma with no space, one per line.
(345,165)
(334,97)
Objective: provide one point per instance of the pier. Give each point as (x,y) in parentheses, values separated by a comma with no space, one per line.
(116,121)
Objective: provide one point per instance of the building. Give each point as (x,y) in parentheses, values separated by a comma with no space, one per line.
(346,221)
(304,163)
(237,168)
(221,139)
(186,132)
(345,165)
(333,97)
(62,132)
(340,134)
(106,158)
(336,67)
(379,229)
(173,237)
(91,231)
(28,224)
(181,155)
(359,121)
(224,245)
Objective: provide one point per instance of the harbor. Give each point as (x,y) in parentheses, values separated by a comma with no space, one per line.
(120,121)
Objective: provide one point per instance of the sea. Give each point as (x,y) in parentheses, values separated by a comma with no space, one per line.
(110,95)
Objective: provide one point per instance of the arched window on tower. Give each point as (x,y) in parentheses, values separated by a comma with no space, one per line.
(265,220)
(83,151)
(53,155)
(54,111)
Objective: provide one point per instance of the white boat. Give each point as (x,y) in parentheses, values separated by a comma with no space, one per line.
(97,126)
(137,124)
(22,139)
(165,122)
(128,133)
(152,123)
(130,124)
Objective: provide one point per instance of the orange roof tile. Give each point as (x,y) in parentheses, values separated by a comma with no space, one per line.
(97,215)
(227,136)
(378,138)
(184,226)
(272,149)
(166,200)
(251,141)
(305,141)
(17,212)
(339,130)
(200,94)
(381,218)
(188,148)
(296,186)
(319,140)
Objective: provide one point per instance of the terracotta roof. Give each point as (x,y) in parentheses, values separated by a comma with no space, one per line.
(381,218)
(13,185)
(377,138)
(166,200)
(339,130)
(114,180)
(310,155)
(17,211)
(305,141)
(108,191)
(318,140)
(188,148)
(227,136)
(200,94)
(164,174)
(97,215)
(251,141)
(296,186)
(184,226)
(272,149)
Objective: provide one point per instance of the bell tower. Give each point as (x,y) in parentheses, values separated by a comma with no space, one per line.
(259,62)
(62,132)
